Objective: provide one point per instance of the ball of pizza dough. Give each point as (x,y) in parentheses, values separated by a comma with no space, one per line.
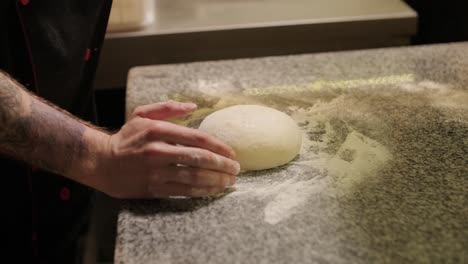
(262,137)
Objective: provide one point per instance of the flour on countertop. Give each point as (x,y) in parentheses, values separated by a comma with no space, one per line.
(318,171)
(285,197)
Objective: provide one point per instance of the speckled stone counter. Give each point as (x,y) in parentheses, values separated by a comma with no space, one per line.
(382,176)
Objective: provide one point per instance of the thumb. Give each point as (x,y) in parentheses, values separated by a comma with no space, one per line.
(164,110)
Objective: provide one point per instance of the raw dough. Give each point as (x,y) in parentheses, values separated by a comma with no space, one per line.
(262,137)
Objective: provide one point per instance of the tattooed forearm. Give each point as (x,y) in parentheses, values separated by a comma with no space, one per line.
(13,107)
(55,138)
(36,132)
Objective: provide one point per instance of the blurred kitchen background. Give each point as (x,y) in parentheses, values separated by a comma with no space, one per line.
(144,32)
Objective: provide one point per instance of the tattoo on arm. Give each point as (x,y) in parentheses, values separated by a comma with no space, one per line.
(37,132)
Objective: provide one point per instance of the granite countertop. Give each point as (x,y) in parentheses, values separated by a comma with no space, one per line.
(382,176)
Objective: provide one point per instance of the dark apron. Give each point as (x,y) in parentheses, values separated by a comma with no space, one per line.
(52,48)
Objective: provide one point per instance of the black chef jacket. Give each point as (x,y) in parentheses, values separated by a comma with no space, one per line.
(52,48)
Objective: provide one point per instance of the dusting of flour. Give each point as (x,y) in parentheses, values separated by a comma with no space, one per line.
(335,157)
(317,172)
(285,197)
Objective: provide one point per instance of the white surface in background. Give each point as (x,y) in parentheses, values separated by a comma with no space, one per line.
(129,15)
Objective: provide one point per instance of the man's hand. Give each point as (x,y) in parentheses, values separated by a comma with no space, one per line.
(147,158)
(150,157)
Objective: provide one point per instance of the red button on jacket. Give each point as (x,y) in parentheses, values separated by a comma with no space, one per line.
(65,194)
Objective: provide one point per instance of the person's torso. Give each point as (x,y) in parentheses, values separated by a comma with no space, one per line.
(52,48)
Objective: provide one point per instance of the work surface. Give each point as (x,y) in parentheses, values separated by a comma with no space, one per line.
(382,176)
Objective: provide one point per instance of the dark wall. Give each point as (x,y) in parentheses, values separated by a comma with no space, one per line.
(110,106)
(441,21)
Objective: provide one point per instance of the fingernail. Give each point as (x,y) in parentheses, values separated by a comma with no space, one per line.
(231,182)
(198,192)
(237,168)
(190,106)
(226,182)
(233,154)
